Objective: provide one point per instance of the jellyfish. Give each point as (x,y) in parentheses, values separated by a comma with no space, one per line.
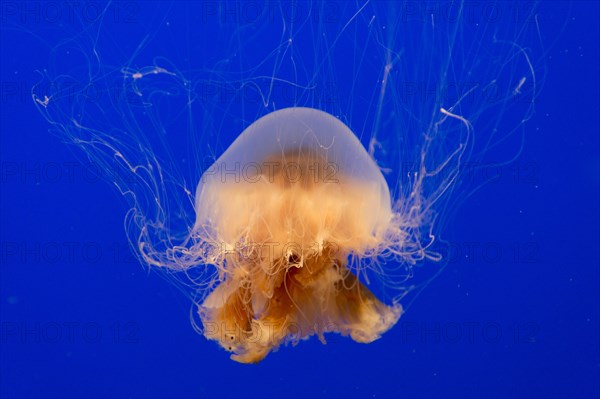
(360,125)
(283,209)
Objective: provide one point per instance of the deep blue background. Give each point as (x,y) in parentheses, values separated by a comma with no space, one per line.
(545,302)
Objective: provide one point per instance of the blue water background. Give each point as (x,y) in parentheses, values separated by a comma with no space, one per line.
(543,297)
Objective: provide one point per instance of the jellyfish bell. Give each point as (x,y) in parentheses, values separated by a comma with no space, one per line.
(280,214)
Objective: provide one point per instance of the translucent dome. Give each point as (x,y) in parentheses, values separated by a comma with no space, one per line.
(299,165)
